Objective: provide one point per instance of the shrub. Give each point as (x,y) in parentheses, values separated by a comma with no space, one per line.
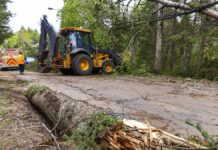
(84,136)
(210,141)
(133,68)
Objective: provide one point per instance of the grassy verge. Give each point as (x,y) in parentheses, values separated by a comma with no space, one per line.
(84,136)
(208,140)
(32,90)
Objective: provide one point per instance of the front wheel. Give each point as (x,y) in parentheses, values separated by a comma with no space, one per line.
(82,64)
(108,67)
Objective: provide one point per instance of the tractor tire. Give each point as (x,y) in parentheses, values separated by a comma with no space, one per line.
(66,71)
(108,67)
(82,64)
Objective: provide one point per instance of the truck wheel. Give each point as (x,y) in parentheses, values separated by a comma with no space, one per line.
(66,71)
(4,69)
(108,67)
(82,64)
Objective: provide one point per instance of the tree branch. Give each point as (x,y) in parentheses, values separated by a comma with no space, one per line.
(208,12)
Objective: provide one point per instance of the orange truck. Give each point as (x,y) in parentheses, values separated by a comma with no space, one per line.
(8,59)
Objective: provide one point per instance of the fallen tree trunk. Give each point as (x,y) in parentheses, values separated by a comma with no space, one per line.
(64,112)
(208,12)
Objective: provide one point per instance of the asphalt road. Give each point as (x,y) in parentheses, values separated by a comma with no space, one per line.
(165,102)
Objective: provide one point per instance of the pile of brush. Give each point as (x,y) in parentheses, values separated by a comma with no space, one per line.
(133,135)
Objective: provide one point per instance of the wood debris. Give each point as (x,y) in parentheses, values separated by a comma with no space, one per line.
(133,135)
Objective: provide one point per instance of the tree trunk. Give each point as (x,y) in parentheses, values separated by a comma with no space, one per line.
(173,46)
(158,55)
(184,60)
(185,50)
(203,31)
(64,112)
(201,52)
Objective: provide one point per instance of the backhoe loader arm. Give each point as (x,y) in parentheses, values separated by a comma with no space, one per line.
(47,30)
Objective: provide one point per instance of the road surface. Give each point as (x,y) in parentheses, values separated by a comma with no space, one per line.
(165,102)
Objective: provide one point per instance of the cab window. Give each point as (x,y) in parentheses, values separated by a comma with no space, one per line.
(83,40)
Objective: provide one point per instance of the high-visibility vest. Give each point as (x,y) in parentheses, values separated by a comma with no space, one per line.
(21,59)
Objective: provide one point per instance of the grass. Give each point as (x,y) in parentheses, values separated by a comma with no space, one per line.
(4,108)
(7,113)
(23,82)
(4,100)
(6,82)
(209,140)
(84,136)
(3,144)
(32,67)
(4,97)
(34,89)
(3,112)
(6,122)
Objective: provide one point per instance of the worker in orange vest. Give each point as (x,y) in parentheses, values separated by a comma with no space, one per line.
(21,62)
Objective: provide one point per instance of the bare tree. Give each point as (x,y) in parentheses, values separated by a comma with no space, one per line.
(173,44)
(202,43)
(158,55)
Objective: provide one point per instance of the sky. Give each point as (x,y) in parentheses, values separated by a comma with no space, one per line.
(27,13)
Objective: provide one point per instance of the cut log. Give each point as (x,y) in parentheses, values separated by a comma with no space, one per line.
(64,112)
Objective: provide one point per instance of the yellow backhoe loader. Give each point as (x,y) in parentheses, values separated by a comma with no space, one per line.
(72,52)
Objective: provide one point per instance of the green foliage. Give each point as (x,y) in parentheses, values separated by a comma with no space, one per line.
(129,67)
(83,137)
(189,46)
(208,73)
(99,16)
(26,39)
(134,68)
(34,89)
(210,140)
(5,15)
(32,67)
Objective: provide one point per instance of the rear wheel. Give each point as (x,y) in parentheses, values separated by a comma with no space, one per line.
(66,71)
(4,69)
(108,67)
(82,64)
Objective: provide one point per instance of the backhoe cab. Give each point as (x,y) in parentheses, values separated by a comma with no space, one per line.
(72,52)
